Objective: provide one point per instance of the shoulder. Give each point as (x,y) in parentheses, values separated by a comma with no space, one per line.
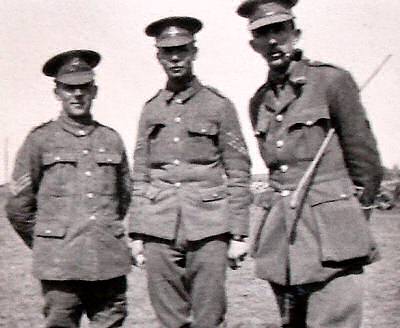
(41,130)
(215,92)
(328,70)
(215,99)
(108,132)
(149,101)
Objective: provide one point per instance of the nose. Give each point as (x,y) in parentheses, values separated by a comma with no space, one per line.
(272,41)
(175,57)
(78,92)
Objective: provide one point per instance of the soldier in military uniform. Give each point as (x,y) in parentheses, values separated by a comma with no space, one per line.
(314,237)
(190,187)
(70,191)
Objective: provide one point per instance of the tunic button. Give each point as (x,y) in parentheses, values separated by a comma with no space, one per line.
(203,130)
(279,118)
(93,217)
(308,123)
(102,150)
(90,195)
(285,193)
(177,184)
(279,143)
(85,151)
(177,162)
(343,196)
(177,119)
(284,168)
(88,173)
(81,132)
(179,101)
(177,139)
(57,158)
(47,231)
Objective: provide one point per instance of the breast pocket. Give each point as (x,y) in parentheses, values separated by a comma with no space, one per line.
(59,172)
(307,130)
(107,166)
(202,140)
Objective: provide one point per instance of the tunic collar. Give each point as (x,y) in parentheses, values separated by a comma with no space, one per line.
(79,129)
(292,83)
(182,96)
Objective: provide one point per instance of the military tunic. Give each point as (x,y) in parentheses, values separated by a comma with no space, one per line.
(190,190)
(70,193)
(328,232)
(191,167)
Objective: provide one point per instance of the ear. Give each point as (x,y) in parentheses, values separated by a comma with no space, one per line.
(297,35)
(255,45)
(195,51)
(56,94)
(95,88)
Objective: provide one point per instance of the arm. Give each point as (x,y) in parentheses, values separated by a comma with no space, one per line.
(21,206)
(139,186)
(124,185)
(237,165)
(355,135)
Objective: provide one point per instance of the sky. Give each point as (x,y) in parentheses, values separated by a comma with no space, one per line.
(354,35)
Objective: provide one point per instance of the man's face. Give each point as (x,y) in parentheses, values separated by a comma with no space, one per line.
(177,61)
(76,99)
(275,42)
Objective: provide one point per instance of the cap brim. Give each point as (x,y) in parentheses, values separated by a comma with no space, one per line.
(270,20)
(190,23)
(175,41)
(76,78)
(51,67)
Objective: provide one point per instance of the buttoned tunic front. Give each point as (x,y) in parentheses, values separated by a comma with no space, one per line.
(70,193)
(191,167)
(328,231)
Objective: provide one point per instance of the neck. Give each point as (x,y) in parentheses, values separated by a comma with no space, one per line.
(180,84)
(80,120)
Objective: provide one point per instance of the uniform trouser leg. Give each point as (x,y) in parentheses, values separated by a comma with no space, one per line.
(333,304)
(165,267)
(338,304)
(63,307)
(103,301)
(207,263)
(188,282)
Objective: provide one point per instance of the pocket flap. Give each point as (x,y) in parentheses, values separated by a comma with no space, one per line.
(153,128)
(310,116)
(117,229)
(58,157)
(330,191)
(108,158)
(50,230)
(203,127)
(211,194)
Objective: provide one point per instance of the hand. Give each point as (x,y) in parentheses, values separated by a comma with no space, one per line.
(236,253)
(137,250)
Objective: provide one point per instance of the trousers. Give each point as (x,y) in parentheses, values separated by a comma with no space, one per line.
(104,302)
(186,282)
(336,303)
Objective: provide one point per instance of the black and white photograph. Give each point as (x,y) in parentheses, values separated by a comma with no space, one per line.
(199,164)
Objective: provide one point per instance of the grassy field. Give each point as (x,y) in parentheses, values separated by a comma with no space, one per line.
(251,303)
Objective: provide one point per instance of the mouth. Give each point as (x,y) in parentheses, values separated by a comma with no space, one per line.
(176,69)
(275,55)
(76,104)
